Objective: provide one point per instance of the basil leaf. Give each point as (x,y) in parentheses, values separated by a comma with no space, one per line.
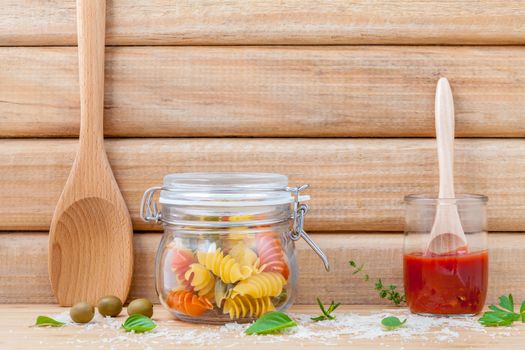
(270,322)
(392,322)
(522,308)
(44,321)
(139,324)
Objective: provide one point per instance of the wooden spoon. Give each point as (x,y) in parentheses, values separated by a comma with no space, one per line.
(90,241)
(447,235)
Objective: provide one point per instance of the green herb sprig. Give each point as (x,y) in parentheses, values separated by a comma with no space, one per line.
(270,322)
(385,292)
(503,315)
(392,322)
(138,323)
(45,321)
(326,313)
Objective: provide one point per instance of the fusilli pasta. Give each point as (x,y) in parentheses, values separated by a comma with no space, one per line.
(265,284)
(181,260)
(188,303)
(223,266)
(271,253)
(246,306)
(202,280)
(246,257)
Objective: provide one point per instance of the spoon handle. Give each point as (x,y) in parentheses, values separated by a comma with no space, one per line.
(91,26)
(444,112)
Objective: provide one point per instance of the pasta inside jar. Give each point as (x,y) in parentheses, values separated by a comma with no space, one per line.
(227,253)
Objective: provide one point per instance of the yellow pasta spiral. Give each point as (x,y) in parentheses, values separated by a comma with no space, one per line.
(246,257)
(243,254)
(223,266)
(246,306)
(202,280)
(265,284)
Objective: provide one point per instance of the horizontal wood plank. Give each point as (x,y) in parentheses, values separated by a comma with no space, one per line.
(24,279)
(356,184)
(256,22)
(273,91)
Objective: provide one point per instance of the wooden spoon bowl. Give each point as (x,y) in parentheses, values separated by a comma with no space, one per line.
(84,263)
(447,244)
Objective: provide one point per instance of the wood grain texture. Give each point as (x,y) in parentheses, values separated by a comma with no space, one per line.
(209,22)
(23,256)
(273,91)
(16,335)
(90,239)
(356,184)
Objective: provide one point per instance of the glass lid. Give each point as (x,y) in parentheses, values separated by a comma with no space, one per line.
(226,189)
(225,181)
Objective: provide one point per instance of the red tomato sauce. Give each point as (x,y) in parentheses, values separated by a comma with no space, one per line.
(446,284)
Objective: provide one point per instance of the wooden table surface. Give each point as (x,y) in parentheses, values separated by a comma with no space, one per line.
(356,327)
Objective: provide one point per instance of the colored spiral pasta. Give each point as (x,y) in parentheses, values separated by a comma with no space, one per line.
(235,275)
(188,303)
(265,284)
(180,263)
(271,253)
(202,280)
(243,254)
(246,257)
(223,265)
(246,306)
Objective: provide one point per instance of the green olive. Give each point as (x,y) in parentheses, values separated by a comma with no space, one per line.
(82,312)
(109,305)
(140,306)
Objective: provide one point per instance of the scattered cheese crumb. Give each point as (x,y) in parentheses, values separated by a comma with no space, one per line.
(347,327)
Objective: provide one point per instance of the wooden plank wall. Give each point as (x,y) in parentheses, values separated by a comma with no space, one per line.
(338,94)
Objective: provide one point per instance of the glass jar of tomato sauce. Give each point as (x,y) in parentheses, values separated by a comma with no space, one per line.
(227,253)
(453,282)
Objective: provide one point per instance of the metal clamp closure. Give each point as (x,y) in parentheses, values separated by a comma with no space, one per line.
(299,212)
(148,206)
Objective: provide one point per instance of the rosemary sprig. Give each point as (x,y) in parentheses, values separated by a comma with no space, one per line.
(326,313)
(385,292)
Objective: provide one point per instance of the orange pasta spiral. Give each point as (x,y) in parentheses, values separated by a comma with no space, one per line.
(188,303)
(271,253)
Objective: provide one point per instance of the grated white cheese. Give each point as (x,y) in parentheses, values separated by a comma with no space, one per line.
(347,328)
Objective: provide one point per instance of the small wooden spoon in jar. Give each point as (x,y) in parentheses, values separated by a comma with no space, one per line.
(447,235)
